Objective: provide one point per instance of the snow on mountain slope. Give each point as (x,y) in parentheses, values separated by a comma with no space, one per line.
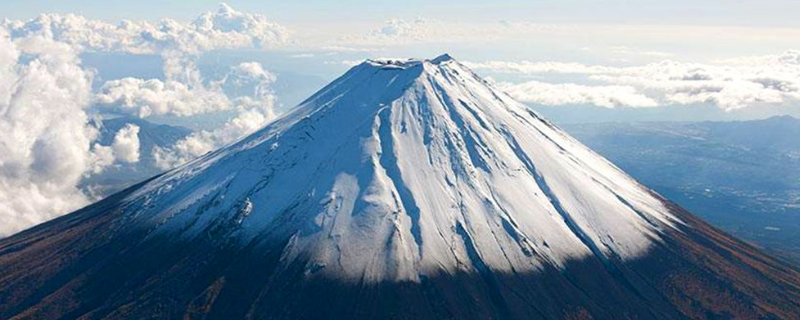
(402,168)
(402,190)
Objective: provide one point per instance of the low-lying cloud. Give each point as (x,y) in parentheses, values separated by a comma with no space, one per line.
(728,84)
(47,142)
(126,144)
(47,104)
(248,86)
(149,97)
(225,28)
(574,94)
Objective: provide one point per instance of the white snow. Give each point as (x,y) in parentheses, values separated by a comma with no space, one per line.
(405,168)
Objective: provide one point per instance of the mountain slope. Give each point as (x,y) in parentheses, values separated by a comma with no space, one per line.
(741,177)
(404,189)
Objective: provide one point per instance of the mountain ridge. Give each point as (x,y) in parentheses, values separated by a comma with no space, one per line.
(403,189)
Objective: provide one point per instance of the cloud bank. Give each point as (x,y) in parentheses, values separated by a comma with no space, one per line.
(49,140)
(46,144)
(145,98)
(225,28)
(248,86)
(574,94)
(728,84)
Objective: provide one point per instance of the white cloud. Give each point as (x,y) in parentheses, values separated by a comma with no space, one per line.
(340,48)
(788,57)
(417,29)
(248,85)
(224,29)
(628,51)
(244,85)
(396,31)
(532,68)
(421,30)
(46,145)
(126,144)
(729,84)
(145,98)
(182,93)
(572,94)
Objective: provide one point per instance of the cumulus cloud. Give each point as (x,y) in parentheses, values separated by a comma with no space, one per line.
(248,85)
(182,92)
(46,145)
(398,31)
(417,29)
(246,89)
(145,98)
(223,29)
(533,68)
(420,30)
(728,84)
(574,94)
(184,95)
(126,144)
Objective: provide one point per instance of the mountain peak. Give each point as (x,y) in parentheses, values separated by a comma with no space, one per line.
(442,58)
(411,154)
(403,189)
(405,63)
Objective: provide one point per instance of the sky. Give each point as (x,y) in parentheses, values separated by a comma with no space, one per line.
(684,12)
(226,70)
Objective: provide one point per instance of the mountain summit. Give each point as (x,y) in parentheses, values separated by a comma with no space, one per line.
(405,189)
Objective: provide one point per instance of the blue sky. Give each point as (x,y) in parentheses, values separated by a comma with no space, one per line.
(620,37)
(694,30)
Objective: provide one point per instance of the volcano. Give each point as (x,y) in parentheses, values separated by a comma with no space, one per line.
(402,190)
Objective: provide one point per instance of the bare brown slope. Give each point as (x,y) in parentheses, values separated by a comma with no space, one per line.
(721,275)
(82,266)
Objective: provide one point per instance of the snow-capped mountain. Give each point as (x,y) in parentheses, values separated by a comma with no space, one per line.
(404,189)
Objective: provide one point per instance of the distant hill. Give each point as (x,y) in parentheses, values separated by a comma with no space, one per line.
(123,175)
(742,176)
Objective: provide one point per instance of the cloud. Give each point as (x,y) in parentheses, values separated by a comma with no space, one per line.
(422,30)
(244,85)
(346,49)
(571,94)
(126,144)
(533,68)
(46,145)
(224,29)
(49,144)
(728,84)
(248,85)
(396,31)
(788,57)
(145,98)
(182,92)
(628,51)
(417,29)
